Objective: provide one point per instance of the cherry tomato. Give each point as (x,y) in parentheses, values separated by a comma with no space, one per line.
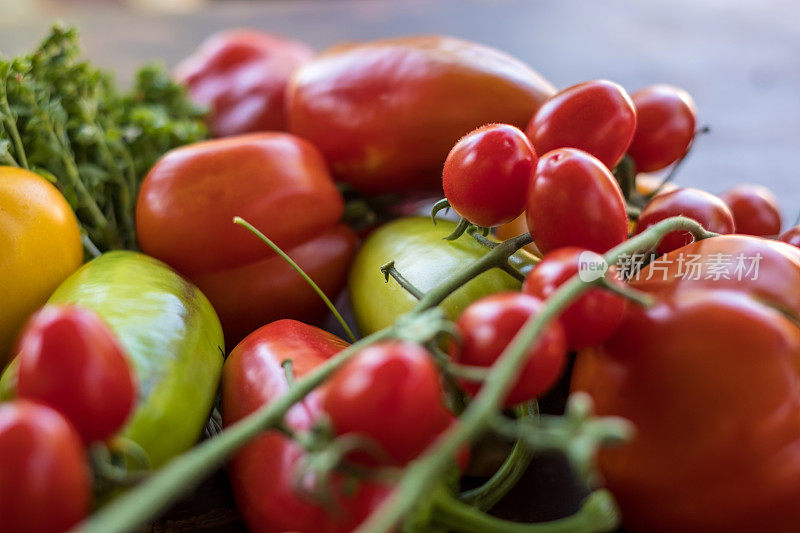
(574,200)
(594,116)
(44,476)
(792,236)
(70,360)
(486,174)
(487,327)
(755,210)
(390,392)
(709,210)
(665,126)
(593,317)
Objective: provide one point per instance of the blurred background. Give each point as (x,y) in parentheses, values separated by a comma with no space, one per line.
(739,59)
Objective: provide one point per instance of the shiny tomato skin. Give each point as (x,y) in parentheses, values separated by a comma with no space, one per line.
(241,76)
(488,326)
(755,210)
(386,113)
(486,174)
(70,360)
(590,319)
(792,236)
(597,117)
(705,208)
(665,126)
(573,200)
(44,475)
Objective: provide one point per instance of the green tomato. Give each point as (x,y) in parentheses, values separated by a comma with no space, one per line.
(424,258)
(171,335)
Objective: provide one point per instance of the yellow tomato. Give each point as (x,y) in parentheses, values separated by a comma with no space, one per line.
(518,226)
(40,245)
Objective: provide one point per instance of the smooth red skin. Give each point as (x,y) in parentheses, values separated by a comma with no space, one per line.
(241,75)
(573,200)
(70,360)
(392,393)
(386,113)
(597,117)
(665,125)
(44,477)
(709,378)
(486,174)
(262,473)
(260,292)
(705,208)
(792,236)
(276,181)
(488,326)
(755,210)
(590,319)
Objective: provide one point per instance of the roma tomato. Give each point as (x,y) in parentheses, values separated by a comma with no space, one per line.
(792,236)
(594,116)
(665,126)
(263,472)
(677,370)
(755,210)
(241,76)
(70,360)
(40,243)
(44,476)
(709,210)
(386,113)
(486,174)
(574,200)
(488,326)
(593,317)
(277,182)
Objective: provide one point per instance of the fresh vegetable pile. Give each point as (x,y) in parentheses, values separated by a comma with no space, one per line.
(568,264)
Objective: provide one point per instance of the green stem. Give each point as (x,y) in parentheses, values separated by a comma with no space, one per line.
(242,222)
(390,270)
(461,227)
(628,292)
(11,126)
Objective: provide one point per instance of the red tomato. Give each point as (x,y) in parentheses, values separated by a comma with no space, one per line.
(386,113)
(573,200)
(487,173)
(488,326)
(594,116)
(241,75)
(593,317)
(792,236)
(390,392)
(263,472)
(709,210)
(70,360)
(665,126)
(44,476)
(755,210)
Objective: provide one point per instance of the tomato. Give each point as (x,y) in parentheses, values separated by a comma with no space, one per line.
(241,75)
(665,126)
(263,472)
(44,476)
(590,319)
(386,113)
(486,174)
(708,376)
(646,184)
(277,182)
(792,236)
(488,326)
(594,116)
(705,208)
(422,256)
(574,200)
(70,360)
(40,243)
(755,210)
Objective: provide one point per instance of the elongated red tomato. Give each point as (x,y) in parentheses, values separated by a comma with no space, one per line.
(70,360)
(486,174)
(573,200)
(792,236)
(755,210)
(44,476)
(597,117)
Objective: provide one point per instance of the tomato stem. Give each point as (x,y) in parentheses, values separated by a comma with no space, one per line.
(390,270)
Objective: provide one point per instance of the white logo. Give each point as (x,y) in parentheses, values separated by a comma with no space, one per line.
(591,266)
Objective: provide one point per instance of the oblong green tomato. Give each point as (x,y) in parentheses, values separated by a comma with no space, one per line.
(171,335)
(422,256)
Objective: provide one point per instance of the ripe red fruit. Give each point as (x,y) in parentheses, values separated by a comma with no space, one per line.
(755,210)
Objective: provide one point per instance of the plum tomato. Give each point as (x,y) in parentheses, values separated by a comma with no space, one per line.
(755,210)
(792,236)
